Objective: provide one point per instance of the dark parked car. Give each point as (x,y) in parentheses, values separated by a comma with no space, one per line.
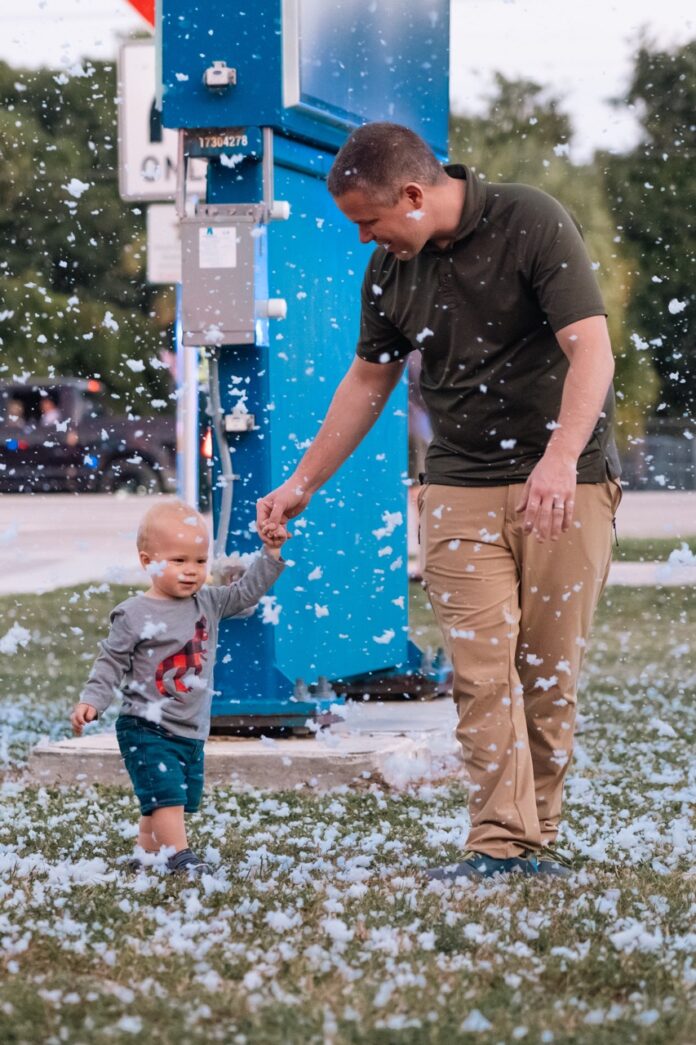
(60,434)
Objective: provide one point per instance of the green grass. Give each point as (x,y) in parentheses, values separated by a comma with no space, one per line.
(362,951)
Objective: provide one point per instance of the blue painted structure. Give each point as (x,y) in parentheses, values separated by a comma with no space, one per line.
(345,602)
(308,68)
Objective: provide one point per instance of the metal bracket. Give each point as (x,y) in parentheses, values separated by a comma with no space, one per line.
(239,421)
(219,76)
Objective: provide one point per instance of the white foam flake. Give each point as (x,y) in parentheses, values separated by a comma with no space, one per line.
(109,322)
(475,1023)
(77,188)
(153,628)
(391,521)
(13,639)
(270,609)
(546,683)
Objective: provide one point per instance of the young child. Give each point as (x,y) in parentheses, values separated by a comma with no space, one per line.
(159,656)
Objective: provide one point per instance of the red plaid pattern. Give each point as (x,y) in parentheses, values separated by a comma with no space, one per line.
(172,670)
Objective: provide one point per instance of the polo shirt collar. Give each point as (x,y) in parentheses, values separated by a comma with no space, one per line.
(474,202)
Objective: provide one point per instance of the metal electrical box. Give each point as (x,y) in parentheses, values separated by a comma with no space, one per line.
(219,246)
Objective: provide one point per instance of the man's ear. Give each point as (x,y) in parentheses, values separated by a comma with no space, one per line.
(414,194)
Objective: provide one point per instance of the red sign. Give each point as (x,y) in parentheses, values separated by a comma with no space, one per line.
(146,8)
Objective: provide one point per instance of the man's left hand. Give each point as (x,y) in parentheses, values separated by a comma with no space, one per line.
(548,496)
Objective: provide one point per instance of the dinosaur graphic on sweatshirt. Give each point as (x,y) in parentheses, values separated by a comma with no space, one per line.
(175,674)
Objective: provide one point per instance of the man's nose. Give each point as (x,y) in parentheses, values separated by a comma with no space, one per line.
(365,236)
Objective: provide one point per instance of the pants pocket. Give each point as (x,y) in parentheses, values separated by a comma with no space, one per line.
(421,495)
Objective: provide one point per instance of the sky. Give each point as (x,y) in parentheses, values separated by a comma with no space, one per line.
(581,49)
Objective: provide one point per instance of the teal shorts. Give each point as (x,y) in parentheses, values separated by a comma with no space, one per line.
(165,769)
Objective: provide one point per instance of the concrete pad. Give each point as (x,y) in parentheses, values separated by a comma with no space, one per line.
(657,513)
(326,761)
(412,718)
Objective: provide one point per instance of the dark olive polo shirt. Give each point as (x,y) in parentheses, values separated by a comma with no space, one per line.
(483,312)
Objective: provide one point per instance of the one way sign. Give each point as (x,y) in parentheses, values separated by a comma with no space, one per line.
(147,150)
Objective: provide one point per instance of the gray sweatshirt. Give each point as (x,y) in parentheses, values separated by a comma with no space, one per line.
(160,653)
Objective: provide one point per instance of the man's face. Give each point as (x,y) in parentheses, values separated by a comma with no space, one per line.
(402,228)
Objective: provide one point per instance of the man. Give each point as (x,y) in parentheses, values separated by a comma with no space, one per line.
(492,284)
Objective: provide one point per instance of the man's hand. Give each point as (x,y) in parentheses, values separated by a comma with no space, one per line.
(281,504)
(81,715)
(548,496)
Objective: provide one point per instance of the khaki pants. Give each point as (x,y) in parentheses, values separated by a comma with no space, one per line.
(515,615)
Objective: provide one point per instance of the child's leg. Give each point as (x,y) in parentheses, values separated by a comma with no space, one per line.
(146,838)
(168,828)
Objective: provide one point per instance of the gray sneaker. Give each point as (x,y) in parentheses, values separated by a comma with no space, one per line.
(552,862)
(478,866)
(186,862)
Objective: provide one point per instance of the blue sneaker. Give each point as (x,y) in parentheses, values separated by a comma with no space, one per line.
(478,866)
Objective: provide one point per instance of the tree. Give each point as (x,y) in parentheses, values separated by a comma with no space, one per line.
(525,136)
(651,190)
(74,296)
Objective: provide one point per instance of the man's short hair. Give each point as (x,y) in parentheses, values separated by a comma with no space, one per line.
(379,158)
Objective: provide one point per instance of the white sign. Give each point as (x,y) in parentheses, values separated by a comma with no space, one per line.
(147,150)
(217,247)
(163,244)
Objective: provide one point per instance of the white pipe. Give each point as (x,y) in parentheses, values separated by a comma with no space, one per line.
(227,475)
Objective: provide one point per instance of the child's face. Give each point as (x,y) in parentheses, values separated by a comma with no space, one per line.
(177,561)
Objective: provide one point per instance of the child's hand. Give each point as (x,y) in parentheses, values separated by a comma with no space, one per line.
(274,536)
(81,715)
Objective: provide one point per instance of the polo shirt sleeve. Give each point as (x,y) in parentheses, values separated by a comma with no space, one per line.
(556,262)
(379,340)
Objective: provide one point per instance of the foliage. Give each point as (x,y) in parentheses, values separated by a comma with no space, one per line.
(652,190)
(525,136)
(74,296)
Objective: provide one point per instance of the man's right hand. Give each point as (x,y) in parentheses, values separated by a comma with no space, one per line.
(281,504)
(81,715)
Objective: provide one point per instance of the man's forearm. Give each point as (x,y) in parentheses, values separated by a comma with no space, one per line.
(356,405)
(584,393)
(580,408)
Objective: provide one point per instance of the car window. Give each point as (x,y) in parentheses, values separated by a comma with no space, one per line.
(31,406)
(94,404)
